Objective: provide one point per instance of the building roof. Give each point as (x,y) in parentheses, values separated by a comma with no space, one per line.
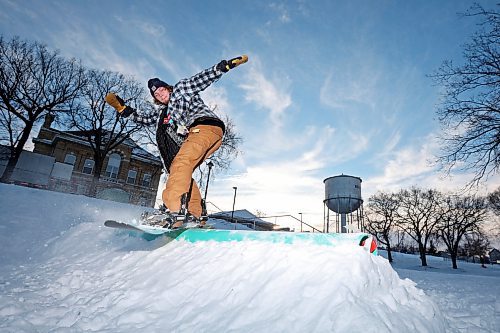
(243,216)
(80,138)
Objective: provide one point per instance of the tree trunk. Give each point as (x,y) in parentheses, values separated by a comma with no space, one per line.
(389,251)
(454,254)
(423,258)
(454,261)
(93,187)
(95,179)
(11,165)
(9,169)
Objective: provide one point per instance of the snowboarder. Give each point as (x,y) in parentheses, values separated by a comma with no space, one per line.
(188,132)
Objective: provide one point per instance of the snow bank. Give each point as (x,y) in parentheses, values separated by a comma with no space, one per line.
(86,277)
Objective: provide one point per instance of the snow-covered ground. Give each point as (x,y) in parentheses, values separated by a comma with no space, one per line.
(468,296)
(61,270)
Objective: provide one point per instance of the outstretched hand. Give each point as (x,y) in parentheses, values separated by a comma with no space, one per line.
(118,104)
(226,65)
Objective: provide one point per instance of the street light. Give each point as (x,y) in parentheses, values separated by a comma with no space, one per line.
(234,201)
(210,165)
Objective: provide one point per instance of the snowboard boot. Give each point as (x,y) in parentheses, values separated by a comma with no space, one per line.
(189,221)
(204,215)
(167,220)
(164,218)
(160,217)
(180,218)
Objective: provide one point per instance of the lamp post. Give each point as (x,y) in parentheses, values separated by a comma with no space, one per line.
(210,165)
(234,201)
(300,222)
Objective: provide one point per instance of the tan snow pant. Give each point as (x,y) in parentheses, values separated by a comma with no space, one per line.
(202,141)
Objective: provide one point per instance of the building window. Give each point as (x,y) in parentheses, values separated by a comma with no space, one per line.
(132,175)
(88,167)
(70,158)
(113,166)
(146,180)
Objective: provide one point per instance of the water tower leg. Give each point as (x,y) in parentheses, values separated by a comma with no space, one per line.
(343,223)
(328,221)
(325,216)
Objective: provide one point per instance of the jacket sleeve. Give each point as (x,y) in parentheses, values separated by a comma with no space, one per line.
(199,82)
(146,118)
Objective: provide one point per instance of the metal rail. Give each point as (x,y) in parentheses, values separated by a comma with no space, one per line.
(288,215)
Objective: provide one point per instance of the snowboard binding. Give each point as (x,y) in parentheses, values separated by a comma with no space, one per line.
(164,218)
(172,221)
(160,218)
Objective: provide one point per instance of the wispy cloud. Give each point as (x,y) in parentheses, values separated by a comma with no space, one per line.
(412,166)
(274,187)
(343,87)
(216,98)
(155,30)
(98,48)
(266,94)
(282,11)
(407,167)
(387,148)
(18,7)
(117,47)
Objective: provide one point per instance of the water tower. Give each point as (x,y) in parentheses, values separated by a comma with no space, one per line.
(343,197)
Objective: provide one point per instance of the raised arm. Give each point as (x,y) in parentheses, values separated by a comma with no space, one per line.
(198,82)
(125,110)
(205,78)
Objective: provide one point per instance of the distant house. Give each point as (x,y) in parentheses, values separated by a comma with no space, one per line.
(4,158)
(494,256)
(130,174)
(248,219)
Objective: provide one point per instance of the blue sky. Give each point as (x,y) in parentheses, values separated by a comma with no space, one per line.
(331,87)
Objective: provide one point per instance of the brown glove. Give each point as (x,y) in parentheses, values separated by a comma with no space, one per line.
(119,105)
(226,65)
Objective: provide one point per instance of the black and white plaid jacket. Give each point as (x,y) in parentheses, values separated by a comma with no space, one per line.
(185,107)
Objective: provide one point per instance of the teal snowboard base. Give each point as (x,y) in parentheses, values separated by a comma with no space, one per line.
(199,235)
(194,235)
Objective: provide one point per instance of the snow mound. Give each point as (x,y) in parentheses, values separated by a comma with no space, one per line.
(91,278)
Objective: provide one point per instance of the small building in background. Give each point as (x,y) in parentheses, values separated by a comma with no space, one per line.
(63,161)
(494,256)
(244,217)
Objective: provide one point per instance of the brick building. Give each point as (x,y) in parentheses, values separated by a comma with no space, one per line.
(130,174)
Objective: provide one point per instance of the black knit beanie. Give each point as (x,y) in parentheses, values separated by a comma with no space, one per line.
(156,83)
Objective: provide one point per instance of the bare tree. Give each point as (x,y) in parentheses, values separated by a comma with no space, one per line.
(400,237)
(476,244)
(99,123)
(494,201)
(380,215)
(33,82)
(417,216)
(494,206)
(459,216)
(470,111)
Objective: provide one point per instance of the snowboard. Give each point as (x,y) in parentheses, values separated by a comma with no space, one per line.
(147,229)
(196,234)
